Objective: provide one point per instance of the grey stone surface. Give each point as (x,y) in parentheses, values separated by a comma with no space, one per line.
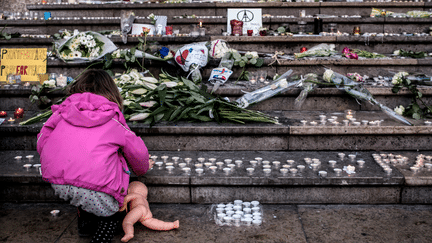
(417,195)
(366,223)
(298,195)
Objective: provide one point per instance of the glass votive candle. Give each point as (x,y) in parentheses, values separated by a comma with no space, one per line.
(290,161)
(349,114)
(188,160)
(267,167)
(338,171)
(198,165)
(250,171)
(213,169)
(352,156)
(227,161)
(332,163)
(293,171)
(154,157)
(246,204)
(262,76)
(221,215)
(301,168)
(388,171)
(199,171)
(322,174)
(27,166)
(175,159)
(266,162)
(18,158)
(253,163)
(207,164)
(238,206)
(276,164)
(220,210)
(201,160)
(284,171)
(182,165)
(248,215)
(220,164)
(314,166)
(248,221)
(229,212)
(227,171)
(231,166)
(256,222)
(30,157)
(159,164)
(267,171)
(258,159)
(255,203)
(165,158)
(360,162)
(227,219)
(341,156)
(238,163)
(169,164)
(170,168)
(249,32)
(212,160)
(256,209)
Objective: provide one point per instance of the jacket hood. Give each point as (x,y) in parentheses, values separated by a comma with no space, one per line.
(87,110)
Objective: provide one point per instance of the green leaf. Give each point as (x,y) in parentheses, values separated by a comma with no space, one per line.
(242,63)
(159,117)
(259,62)
(176,113)
(419,95)
(416,116)
(162,94)
(396,89)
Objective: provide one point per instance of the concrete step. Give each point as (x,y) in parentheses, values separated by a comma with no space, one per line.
(290,135)
(281,223)
(368,185)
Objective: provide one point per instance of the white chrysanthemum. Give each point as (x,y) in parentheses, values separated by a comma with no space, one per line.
(50,83)
(399,110)
(76,32)
(327,76)
(89,37)
(76,54)
(82,40)
(91,43)
(94,54)
(82,34)
(73,46)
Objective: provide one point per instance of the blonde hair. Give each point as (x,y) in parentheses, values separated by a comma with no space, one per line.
(97,82)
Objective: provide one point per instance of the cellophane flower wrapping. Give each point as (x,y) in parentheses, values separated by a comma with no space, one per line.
(321,50)
(358,91)
(191,58)
(218,48)
(84,47)
(279,85)
(307,85)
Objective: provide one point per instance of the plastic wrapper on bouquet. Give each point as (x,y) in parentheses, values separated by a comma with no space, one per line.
(84,47)
(279,85)
(191,58)
(357,91)
(307,84)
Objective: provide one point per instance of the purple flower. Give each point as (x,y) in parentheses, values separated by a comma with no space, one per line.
(164,52)
(346,50)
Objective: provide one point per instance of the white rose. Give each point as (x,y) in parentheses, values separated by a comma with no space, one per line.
(328,75)
(283,83)
(397,52)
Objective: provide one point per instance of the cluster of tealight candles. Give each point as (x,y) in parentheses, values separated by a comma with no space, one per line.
(238,213)
(422,161)
(384,160)
(348,121)
(29,160)
(201,166)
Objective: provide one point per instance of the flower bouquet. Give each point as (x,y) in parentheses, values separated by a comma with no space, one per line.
(321,50)
(279,85)
(307,84)
(357,91)
(149,101)
(84,47)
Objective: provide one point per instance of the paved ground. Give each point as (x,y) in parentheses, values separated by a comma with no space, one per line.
(282,223)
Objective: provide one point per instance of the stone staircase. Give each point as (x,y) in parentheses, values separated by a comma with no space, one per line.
(288,141)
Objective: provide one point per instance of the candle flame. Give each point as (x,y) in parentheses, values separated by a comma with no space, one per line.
(200,24)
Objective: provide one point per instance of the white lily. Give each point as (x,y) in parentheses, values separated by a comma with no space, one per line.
(148,104)
(139,117)
(170,84)
(139,91)
(150,80)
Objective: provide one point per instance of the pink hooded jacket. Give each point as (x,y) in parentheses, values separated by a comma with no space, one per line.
(79,146)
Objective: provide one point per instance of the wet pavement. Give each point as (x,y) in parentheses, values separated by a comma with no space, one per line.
(281,223)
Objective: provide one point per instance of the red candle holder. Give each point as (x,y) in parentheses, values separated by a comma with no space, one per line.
(169,30)
(19,113)
(263,32)
(3,114)
(249,32)
(303,49)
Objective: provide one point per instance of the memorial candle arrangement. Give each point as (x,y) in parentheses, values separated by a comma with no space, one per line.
(19,113)
(238,213)
(236,27)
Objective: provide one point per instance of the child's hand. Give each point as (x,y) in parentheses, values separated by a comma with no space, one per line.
(151,163)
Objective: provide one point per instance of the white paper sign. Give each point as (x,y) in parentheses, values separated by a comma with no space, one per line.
(137,29)
(251,17)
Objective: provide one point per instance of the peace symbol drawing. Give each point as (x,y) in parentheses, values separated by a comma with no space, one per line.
(245,16)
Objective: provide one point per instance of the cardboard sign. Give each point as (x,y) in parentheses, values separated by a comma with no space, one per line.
(251,17)
(28,62)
